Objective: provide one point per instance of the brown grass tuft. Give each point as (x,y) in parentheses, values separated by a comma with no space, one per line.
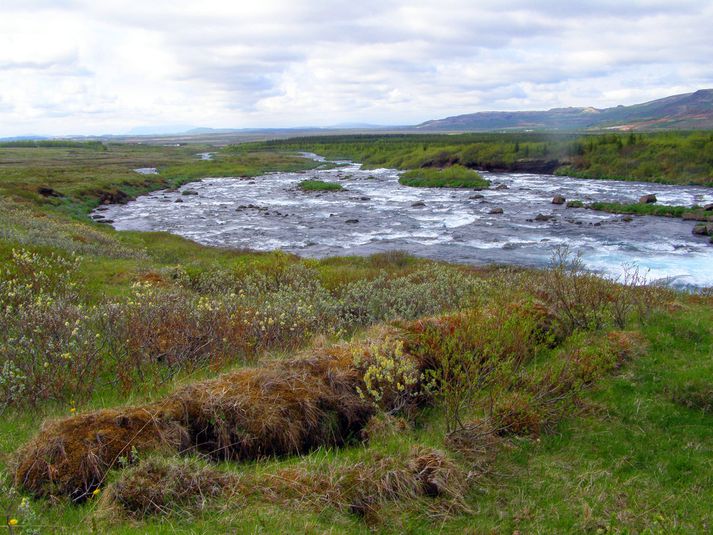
(162,487)
(72,456)
(169,486)
(281,408)
(425,473)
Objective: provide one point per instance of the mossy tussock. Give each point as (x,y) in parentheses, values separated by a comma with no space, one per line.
(281,408)
(319,185)
(165,486)
(454,176)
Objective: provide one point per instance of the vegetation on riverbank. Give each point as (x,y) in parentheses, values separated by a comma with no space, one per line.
(319,185)
(180,381)
(75,179)
(671,157)
(695,213)
(454,176)
(660,210)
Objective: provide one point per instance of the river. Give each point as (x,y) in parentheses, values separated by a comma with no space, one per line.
(374,214)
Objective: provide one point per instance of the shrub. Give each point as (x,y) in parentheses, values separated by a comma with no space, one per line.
(48,344)
(474,350)
(390,377)
(425,292)
(579,298)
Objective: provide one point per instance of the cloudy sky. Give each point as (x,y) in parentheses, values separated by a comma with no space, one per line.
(107,66)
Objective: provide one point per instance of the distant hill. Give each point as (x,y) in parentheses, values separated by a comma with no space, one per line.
(690,111)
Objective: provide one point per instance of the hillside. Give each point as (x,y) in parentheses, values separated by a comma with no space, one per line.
(690,111)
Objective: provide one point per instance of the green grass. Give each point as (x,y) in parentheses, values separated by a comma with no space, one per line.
(650,209)
(319,185)
(455,176)
(79,176)
(633,461)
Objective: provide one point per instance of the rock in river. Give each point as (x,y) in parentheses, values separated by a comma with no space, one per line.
(647,199)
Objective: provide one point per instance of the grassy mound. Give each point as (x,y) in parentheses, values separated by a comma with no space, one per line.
(286,407)
(159,486)
(319,185)
(455,176)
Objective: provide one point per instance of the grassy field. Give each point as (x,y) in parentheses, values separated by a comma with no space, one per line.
(190,389)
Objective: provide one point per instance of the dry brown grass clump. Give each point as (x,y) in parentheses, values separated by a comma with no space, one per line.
(161,487)
(425,473)
(165,487)
(281,408)
(72,456)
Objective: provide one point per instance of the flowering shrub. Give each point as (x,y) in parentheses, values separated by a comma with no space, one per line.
(390,377)
(54,346)
(48,347)
(425,292)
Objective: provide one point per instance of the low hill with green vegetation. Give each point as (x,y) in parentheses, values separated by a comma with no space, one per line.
(454,176)
(688,111)
(150,384)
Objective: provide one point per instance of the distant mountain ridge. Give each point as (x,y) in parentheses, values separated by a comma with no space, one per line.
(689,111)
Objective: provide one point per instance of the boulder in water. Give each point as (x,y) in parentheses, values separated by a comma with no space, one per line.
(558,199)
(648,199)
(496,211)
(703,229)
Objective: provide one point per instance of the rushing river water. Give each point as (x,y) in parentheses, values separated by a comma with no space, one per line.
(374,213)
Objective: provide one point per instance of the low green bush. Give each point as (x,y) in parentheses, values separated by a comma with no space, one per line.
(319,185)
(455,176)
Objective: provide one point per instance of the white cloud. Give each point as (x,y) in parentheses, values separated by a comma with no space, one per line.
(81,66)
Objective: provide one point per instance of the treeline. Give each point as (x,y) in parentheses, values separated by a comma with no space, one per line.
(52,143)
(675,157)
